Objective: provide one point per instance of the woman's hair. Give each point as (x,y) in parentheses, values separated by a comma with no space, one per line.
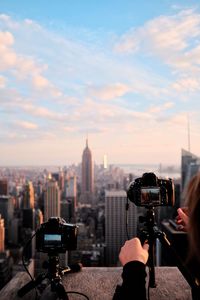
(192,197)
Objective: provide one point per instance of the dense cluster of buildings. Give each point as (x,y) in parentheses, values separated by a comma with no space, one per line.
(93,197)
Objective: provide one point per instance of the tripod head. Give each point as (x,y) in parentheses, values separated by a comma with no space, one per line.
(149,234)
(150,230)
(55,273)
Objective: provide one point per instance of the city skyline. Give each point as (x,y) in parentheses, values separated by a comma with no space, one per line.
(126,74)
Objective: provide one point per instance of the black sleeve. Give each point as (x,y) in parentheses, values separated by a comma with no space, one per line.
(133,285)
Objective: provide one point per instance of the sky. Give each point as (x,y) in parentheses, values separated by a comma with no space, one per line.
(124,73)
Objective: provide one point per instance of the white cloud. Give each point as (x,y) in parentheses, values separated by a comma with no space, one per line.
(40,82)
(24,67)
(6,39)
(180,119)
(162,34)
(187,84)
(168,37)
(27,67)
(161,108)
(26,125)
(8,57)
(2,82)
(109,92)
(173,41)
(70,129)
(10,23)
(39,111)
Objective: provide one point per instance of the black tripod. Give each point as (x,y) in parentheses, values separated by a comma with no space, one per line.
(151,233)
(54,275)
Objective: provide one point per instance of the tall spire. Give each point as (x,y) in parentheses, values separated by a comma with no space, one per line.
(87,140)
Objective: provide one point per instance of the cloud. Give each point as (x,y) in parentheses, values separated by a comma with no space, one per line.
(40,82)
(109,92)
(27,67)
(8,57)
(2,82)
(55,66)
(24,67)
(179,119)
(174,39)
(186,84)
(10,23)
(161,108)
(162,34)
(40,111)
(26,125)
(6,39)
(70,129)
(170,40)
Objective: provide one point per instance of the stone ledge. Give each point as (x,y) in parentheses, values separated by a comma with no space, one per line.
(100,283)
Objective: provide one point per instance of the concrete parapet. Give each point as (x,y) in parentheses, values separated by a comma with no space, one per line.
(100,283)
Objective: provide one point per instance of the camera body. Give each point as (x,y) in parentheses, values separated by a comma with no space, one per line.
(56,236)
(149,191)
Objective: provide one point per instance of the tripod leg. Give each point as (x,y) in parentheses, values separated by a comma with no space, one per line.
(151,264)
(192,281)
(60,290)
(31,285)
(48,294)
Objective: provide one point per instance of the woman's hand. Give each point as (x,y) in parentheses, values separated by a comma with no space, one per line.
(133,250)
(182,219)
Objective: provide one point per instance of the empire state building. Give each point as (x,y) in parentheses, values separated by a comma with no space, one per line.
(87,176)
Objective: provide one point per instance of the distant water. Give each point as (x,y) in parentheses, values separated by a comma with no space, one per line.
(159,170)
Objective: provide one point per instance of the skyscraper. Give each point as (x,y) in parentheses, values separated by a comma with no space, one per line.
(115,223)
(190,165)
(2,235)
(51,200)
(28,199)
(87,176)
(59,177)
(7,211)
(3,187)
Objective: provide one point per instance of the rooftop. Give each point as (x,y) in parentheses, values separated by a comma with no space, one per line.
(100,283)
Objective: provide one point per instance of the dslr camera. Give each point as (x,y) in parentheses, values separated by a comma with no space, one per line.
(149,191)
(56,236)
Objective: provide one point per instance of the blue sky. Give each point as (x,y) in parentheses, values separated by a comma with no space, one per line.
(126,73)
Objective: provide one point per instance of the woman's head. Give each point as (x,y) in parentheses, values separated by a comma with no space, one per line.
(192,198)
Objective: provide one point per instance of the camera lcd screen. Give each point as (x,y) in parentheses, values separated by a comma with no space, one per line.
(50,239)
(150,196)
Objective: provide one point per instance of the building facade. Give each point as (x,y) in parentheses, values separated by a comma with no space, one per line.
(2,235)
(7,212)
(190,165)
(29,198)
(51,200)
(115,224)
(3,187)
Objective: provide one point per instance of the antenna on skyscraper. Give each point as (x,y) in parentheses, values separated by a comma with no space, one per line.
(188,129)
(87,139)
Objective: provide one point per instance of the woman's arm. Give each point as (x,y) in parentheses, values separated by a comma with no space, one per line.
(133,256)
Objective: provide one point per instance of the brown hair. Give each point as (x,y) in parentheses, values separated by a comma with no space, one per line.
(192,197)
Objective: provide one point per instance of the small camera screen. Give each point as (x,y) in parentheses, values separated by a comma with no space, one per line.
(50,239)
(150,196)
